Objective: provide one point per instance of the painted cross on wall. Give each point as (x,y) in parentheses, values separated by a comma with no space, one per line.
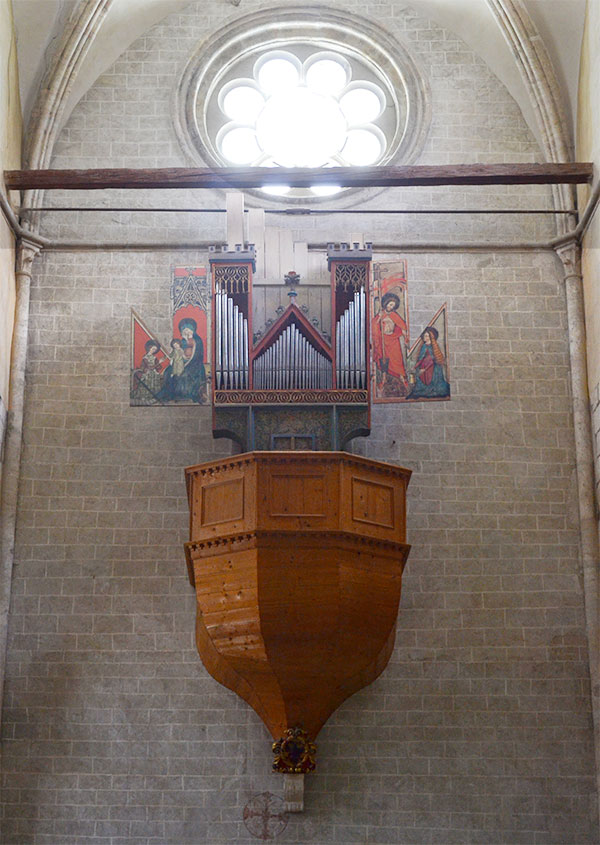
(401,372)
(174,372)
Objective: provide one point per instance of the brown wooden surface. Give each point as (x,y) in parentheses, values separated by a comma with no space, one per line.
(256,177)
(295,624)
(298,491)
(298,611)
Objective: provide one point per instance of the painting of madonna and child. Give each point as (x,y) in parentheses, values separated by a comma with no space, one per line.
(402,372)
(174,371)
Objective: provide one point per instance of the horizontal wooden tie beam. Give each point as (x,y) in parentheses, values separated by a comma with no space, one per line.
(302,177)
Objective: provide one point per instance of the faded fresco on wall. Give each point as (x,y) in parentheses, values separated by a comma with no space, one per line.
(401,372)
(177,370)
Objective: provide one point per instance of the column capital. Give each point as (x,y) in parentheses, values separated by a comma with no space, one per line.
(570,255)
(26,252)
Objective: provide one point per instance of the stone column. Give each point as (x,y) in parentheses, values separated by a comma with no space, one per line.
(570,255)
(26,252)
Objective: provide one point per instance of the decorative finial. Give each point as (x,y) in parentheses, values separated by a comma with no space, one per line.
(292,278)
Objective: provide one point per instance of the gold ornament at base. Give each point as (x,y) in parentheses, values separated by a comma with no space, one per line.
(294,753)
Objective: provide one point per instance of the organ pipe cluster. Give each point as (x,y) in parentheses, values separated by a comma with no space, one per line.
(350,348)
(295,357)
(291,363)
(231,344)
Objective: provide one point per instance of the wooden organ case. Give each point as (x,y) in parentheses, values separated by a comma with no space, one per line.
(296,547)
(323,375)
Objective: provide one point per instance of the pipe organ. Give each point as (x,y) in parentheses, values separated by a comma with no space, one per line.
(293,360)
(297,548)
(231,343)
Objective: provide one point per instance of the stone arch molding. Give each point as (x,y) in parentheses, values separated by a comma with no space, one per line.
(89,19)
(45,121)
(544,91)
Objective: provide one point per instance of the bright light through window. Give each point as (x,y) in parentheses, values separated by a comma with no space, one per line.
(300,128)
(242,103)
(277,74)
(327,76)
(294,114)
(362,105)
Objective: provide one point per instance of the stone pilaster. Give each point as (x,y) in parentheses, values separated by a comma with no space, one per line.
(570,255)
(26,253)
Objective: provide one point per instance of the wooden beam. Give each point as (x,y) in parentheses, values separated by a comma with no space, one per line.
(301,177)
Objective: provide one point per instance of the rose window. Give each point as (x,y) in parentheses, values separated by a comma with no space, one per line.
(301,87)
(291,113)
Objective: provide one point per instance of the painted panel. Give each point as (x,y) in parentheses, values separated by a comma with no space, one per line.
(177,371)
(401,372)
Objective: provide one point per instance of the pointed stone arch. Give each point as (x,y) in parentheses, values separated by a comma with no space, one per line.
(537,71)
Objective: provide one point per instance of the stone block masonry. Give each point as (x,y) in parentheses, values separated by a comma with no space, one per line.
(480,729)
(595,411)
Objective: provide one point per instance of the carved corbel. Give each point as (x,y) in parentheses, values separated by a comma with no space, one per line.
(570,255)
(26,252)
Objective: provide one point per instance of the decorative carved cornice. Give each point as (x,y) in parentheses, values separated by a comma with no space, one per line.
(226,544)
(215,468)
(249,538)
(290,397)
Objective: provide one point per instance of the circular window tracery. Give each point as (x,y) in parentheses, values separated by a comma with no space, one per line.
(318,90)
(302,114)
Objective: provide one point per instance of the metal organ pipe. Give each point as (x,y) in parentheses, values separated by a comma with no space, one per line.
(225,342)
(350,346)
(291,363)
(218,369)
(245,347)
(231,344)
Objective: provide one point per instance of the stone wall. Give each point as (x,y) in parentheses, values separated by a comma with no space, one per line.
(595,411)
(10,157)
(480,728)
(588,149)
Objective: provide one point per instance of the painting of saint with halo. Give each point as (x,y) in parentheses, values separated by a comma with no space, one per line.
(176,372)
(401,372)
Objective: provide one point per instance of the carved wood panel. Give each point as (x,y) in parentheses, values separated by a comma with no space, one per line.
(222,501)
(293,495)
(372,502)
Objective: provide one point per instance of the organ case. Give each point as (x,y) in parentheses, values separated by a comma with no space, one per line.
(323,373)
